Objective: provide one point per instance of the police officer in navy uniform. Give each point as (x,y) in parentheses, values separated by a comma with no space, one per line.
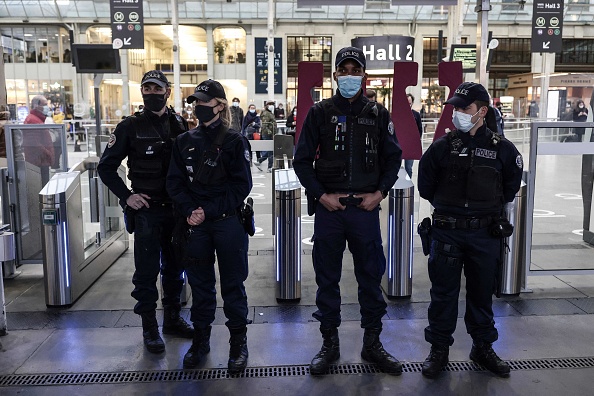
(208,179)
(146,139)
(358,164)
(467,176)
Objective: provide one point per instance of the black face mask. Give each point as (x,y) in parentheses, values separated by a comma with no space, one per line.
(154,102)
(204,113)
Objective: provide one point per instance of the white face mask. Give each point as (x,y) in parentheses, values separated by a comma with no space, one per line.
(271,108)
(463,122)
(235,104)
(46,110)
(252,111)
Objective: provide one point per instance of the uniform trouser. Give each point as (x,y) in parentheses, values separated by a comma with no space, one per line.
(408,166)
(362,231)
(479,254)
(153,252)
(230,242)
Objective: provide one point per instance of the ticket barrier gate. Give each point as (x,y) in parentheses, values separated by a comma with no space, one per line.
(83,231)
(7,253)
(287,238)
(397,231)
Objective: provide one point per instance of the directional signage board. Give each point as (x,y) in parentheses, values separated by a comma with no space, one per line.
(127,29)
(547,26)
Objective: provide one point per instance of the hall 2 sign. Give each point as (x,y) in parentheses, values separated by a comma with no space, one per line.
(382,51)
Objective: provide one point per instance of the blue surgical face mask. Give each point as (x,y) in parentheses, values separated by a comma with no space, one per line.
(349,85)
(46,110)
(463,122)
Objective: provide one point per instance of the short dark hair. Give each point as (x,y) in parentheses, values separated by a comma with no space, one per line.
(481,103)
(412,97)
(370,93)
(236,99)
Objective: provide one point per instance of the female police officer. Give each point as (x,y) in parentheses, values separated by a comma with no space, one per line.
(208,179)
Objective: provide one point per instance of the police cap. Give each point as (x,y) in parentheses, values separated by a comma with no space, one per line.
(467,93)
(207,90)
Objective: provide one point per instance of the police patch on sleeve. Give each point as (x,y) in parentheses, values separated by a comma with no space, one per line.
(111,141)
(519,161)
(247,155)
(391,128)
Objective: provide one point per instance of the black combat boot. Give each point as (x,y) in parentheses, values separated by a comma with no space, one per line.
(238,351)
(150,332)
(436,361)
(329,353)
(373,351)
(483,354)
(174,324)
(200,347)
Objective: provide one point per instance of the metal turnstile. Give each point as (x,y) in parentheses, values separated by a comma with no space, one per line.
(7,253)
(287,238)
(82,233)
(514,250)
(397,231)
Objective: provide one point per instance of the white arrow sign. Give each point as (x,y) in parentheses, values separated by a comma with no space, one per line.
(546,45)
(127,41)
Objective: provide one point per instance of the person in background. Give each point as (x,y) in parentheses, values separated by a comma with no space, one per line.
(371,95)
(580,114)
(38,144)
(348,159)
(533,109)
(251,122)
(209,178)
(146,139)
(499,119)
(57,117)
(292,123)
(236,115)
(467,175)
(408,164)
(279,112)
(267,132)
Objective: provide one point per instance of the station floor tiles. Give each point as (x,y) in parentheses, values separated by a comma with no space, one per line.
(95,347)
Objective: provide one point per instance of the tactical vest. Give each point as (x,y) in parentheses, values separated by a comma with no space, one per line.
(348,160)
(473,177)
(150,154)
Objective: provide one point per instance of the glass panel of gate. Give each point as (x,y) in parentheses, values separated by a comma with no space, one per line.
(34,154)
(562,216)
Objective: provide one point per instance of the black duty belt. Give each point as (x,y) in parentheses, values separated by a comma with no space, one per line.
(451,222)
(224,215)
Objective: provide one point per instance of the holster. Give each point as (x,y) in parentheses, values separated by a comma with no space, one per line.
(130,219)
(180,238)
(247,217)
(424,231)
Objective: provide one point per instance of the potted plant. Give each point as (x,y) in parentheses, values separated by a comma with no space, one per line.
(220,47)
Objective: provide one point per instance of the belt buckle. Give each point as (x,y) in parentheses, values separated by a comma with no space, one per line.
(474,223)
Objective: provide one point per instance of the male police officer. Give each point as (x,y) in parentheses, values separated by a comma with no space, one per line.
(467,175)
(358,164)
(146,139)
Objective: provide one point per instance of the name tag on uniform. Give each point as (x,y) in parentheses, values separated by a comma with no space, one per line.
(480,152)
(365,121)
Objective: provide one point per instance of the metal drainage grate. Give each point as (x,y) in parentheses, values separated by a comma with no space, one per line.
(263,372)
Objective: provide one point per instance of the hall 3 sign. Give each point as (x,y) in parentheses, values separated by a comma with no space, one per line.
(382,51)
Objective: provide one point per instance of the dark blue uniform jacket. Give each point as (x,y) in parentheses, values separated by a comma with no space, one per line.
(436,159)
(389,151)
(217,199)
